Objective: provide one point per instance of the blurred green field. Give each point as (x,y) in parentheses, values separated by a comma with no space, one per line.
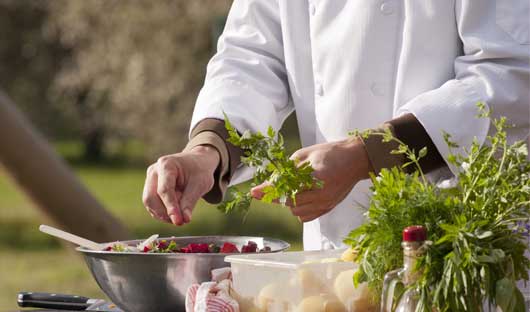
(32,261)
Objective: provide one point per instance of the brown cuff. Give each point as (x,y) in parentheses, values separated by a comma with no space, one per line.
(410,131)
(215,195)
(379,152)
(213,132)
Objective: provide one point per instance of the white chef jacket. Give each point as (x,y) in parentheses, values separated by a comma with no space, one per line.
(345,65)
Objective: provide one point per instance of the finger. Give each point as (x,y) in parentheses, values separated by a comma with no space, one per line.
(258,191)
(299,155)
(166,190)
(163,218)
(150,198)
(306,197)
(307,213)
(308,218)
(309,209)
(190,197)
(303,198)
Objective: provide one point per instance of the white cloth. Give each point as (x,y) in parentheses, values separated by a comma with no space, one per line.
(345,65)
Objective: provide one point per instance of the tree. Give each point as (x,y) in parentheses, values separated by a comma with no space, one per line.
(135,67)
(29,60)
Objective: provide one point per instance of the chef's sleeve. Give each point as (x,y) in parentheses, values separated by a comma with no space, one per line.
(246,79)
(407,129)
(494,70)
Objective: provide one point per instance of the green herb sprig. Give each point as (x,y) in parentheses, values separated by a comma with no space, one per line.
(266,153)
(477,227)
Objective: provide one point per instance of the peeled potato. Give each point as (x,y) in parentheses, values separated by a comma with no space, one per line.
(343,286)
(363,305)
(307,281)
(270,293)
(245,304)
(320,303)
(357,299)
(363,302)
(348,255)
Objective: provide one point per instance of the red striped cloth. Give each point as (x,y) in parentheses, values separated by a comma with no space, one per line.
(211,296)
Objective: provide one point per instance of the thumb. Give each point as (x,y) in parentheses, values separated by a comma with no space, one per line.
(191,195)
(257,191)
(299,155)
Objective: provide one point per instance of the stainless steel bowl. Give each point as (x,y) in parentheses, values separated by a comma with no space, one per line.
(145,282)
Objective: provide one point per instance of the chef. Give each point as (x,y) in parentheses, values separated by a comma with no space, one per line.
(416,67)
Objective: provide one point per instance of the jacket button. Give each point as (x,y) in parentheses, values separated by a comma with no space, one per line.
(387,8)
(319,89)
(377,89)
(312,8)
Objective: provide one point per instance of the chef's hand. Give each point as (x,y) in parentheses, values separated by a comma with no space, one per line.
(340,165)
(176,182)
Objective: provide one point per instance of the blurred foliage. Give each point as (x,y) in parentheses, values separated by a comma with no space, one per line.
(134,68)
(29,61)
(109,71)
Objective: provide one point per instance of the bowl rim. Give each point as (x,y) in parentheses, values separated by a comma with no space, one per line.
(285,246)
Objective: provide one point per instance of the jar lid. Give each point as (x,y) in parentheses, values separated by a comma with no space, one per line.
(415,233)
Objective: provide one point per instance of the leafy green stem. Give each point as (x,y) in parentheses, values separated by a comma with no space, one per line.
(267,154)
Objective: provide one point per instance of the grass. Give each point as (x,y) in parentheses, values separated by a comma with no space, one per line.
(58,270)
(31,261)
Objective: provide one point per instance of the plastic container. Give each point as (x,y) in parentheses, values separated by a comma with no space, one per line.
(295,281)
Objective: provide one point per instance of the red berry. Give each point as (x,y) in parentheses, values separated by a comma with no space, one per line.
(249,247)
(185,250)
(198,248)
(253,246)
(109,248)
(229,248)
(147,249)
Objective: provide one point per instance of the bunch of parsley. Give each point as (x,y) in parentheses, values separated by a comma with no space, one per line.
(477,228)
(286,177)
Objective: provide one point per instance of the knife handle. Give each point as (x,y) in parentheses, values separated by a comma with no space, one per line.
(52,301)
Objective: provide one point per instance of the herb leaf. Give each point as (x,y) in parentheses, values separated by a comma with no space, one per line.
(266,153)
(479,227)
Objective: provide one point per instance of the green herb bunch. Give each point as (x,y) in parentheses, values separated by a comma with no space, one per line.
(477,227)
(286,177)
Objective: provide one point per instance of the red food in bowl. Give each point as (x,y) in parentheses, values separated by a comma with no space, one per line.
(229,248)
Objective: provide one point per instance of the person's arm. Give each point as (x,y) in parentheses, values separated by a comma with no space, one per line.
(406,128)
(246,80)
(494,70)
(212,132)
